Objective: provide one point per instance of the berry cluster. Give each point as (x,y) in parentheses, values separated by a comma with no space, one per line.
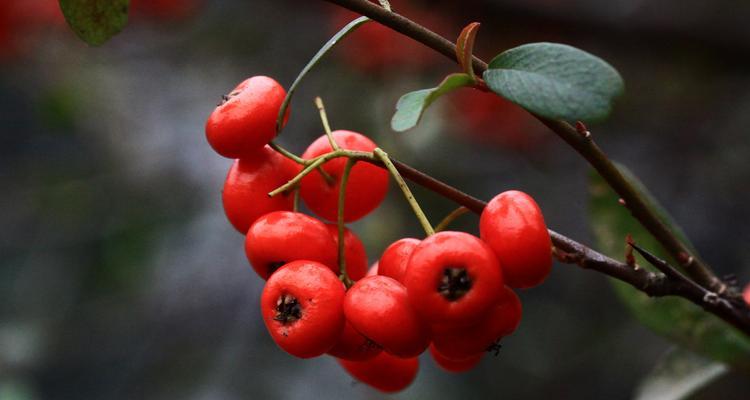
(450,292)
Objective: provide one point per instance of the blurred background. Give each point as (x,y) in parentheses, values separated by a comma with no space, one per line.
(120,277)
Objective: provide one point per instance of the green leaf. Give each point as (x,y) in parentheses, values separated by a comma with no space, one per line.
(555,81)
(677,375)
(345,31)
(675,318)
(95,21)
(411,106)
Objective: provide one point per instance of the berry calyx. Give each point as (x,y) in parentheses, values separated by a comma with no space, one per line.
(284,236)
(301,306)
(385,372)
(366,188)
(245,195)
(395,258)
(245,120)
(513,226)
(453,277)
(379,308)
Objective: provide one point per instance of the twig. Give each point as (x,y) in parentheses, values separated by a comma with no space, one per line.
(583,144)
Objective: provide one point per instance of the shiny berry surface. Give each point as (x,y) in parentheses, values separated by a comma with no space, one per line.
(284,236)
(513,226)
(395,257)
(245,120)
(354,346)
(452,365)
(467,341)
(378,307)
(245,194)
(385,372)
(453,277)
(365,190)
(301,306)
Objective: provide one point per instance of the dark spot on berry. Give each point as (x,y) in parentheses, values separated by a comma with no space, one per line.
(226,97)
(495,348)
(288,309)
(455,283)
(274,265)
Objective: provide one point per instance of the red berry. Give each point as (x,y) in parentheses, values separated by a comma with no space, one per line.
(353,346)
(452,365)
(385,372)
(301,306)
(746,294)
(513,226)
(284,236)
(467,341)
(378,307)
(245,194)
(395,257)
(245,121)
(365,190)
(354,252)
(453,277)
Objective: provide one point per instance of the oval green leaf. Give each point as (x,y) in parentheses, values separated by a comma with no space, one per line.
(555,81)
(411,106)
(675,318)
(95,21)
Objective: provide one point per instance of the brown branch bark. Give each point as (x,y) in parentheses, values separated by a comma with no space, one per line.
(569,251)
(584,145)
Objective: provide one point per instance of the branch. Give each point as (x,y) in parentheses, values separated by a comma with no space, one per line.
(583,144)
(569,251)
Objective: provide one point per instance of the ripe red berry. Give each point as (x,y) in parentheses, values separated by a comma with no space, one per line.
(245,194)
(354,252)
(746,294)
(453,277)
(513,226)
(353,346)
(385,372)
(379,308)
(467,341)
(395,257)
(245,121)
(301,306)
(365,190)
(284,236)
(452,365)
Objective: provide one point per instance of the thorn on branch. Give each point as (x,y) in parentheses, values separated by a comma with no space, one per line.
(685,259)
(629,257)
(583,130)
(711,298)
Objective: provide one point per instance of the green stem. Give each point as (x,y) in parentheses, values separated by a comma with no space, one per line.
(326,125)
(295,204)
(340,222)
(383,156)
(317,162)
(450,218)
(288,154)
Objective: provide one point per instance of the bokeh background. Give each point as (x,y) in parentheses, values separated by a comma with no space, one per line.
(120,277)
